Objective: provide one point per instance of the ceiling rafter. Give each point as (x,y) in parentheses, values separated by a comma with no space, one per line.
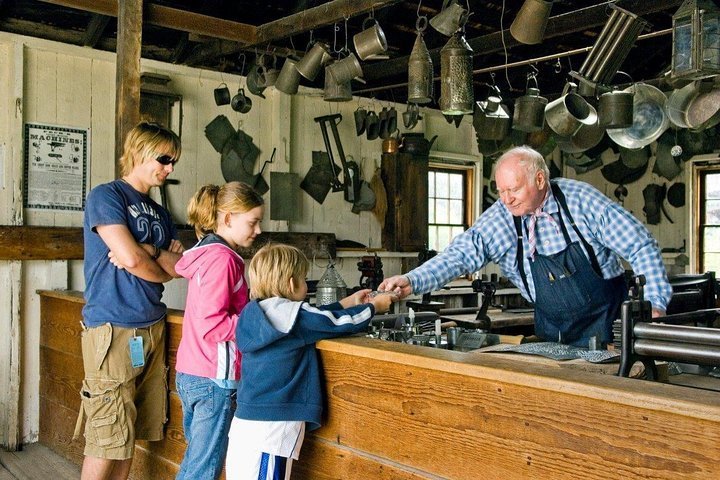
(558,25)
(173,18)
(95,29)
(310,19)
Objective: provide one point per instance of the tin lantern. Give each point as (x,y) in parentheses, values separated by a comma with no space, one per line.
(696,40)
(456,87)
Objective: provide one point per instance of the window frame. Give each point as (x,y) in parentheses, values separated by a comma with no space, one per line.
(471,168)
(699,167)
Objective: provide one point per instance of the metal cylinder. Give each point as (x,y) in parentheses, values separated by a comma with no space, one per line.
(334,91)
(530,22)
(677,333)
(682,352)
(420,73)
(456,88)
(600,40)
(309,66)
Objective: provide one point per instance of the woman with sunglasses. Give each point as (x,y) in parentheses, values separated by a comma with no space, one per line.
(130,251)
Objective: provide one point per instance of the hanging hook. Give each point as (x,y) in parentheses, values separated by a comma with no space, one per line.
(558,65)
(418,9)
(346,35)
(532,75)
(336,29)
(310,41)
(242,68)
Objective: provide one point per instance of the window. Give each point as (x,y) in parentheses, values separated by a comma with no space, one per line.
(448,204)
(709,224)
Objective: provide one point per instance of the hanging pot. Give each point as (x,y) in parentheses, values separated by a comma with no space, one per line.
(585,138)
(649,118)
(529,114)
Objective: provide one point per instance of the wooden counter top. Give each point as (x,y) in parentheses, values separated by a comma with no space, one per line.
(397,411)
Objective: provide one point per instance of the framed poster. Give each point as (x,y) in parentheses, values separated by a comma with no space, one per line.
(56,162)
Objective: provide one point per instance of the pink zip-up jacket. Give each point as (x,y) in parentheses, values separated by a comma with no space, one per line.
(217,291)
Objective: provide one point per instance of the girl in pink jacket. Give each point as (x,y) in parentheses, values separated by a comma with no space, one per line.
(208,364)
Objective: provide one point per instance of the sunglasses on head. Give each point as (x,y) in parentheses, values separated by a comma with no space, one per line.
(166,160)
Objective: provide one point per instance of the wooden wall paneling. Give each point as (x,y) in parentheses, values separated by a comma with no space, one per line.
(11,272)
(102,126)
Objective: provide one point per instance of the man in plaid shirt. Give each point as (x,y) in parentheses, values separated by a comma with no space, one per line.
(560,242)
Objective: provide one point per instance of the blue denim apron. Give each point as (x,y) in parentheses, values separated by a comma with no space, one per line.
(573,302)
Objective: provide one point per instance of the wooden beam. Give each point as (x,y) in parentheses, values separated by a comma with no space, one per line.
(173,18)
(41,243)
(127,73)
(95,29)
(312,18)
(558,25)
(316,17)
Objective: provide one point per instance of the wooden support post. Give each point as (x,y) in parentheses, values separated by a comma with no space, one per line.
(127,75)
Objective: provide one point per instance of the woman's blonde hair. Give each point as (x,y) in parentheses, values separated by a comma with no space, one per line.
(148,140)
(271,269)
(211,201)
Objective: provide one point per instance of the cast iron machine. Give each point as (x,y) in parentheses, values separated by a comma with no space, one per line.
(643,338)
(371,269)
(487,289)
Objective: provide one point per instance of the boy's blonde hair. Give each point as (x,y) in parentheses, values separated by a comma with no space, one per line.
(211,201)
(148,139)
(271,269)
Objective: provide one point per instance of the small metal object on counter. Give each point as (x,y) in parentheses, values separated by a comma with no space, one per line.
(331,287)
(452,337)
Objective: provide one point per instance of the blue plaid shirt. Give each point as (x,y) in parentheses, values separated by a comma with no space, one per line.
(612,231)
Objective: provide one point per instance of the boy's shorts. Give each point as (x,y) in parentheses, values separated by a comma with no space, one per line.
(122,403)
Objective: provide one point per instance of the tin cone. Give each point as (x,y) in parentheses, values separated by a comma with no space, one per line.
(420,73)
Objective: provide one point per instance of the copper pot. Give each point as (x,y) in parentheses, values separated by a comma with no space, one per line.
(390,145)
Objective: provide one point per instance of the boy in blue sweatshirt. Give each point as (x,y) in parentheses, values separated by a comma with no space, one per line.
(280,383)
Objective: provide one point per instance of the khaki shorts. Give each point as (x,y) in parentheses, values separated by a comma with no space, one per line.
(122,403)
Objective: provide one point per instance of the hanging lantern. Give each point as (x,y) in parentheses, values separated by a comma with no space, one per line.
(456,88)
(696,40)
(331,287)
(420,68)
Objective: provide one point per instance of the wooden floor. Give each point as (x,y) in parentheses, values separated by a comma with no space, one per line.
(36,462)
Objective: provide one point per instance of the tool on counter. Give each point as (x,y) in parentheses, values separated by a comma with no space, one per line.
(487,289)
(351,181)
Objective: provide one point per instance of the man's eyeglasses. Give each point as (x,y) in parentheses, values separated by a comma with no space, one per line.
(166,160)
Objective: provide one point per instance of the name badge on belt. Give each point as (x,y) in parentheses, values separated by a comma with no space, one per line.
(137,354)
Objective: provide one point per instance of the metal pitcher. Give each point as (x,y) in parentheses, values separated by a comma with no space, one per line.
(345,69)
(371,41)
(450,19)
(336,92)
(615,109)
(529,114)
(289,78)
(568,113)
(456,88)
(310,64)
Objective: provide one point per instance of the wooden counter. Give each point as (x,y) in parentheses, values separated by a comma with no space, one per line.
(397,411)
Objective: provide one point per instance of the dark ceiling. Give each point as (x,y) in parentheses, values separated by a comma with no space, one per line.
(226,35)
